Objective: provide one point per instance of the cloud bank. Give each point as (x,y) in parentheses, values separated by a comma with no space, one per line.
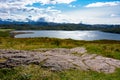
(26,2)
(103,4)
(18,10)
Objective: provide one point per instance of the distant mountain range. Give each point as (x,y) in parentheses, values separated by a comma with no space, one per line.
(26,21)
(42,22)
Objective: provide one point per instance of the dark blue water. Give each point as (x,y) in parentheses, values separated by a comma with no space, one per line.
(76,35)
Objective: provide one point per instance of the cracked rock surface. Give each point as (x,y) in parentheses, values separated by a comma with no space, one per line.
(59,59)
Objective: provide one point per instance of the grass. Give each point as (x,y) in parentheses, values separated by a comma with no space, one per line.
(5,32)
(35,72)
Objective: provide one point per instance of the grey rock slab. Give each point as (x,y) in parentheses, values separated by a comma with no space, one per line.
(113,62)
(88,56)
(59,59)
(99,66)
(57,64)
(78,50)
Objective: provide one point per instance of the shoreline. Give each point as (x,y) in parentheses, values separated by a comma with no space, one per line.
(14,33)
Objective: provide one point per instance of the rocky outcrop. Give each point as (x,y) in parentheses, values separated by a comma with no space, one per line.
(59,59)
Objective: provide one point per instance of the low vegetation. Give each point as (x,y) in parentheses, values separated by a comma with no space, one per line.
(33,72)
(5,32)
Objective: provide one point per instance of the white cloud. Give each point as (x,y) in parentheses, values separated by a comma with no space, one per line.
(72,6)
(114,15)
(17,10)
(30,2)
(95,16)
(103,4)
(24,13)
(64,1)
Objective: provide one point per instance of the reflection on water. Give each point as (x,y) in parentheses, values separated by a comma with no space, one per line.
(76,35)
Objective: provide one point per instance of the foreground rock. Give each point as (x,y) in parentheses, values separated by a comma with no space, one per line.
(59,59)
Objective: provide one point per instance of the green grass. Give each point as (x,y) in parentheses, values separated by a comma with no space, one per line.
(34,72)
(5,32)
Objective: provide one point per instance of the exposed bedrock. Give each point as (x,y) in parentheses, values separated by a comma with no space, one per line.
(59,59)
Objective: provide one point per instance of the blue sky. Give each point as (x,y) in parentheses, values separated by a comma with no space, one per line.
(62,11)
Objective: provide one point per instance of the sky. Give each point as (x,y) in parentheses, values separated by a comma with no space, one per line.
(61,11)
